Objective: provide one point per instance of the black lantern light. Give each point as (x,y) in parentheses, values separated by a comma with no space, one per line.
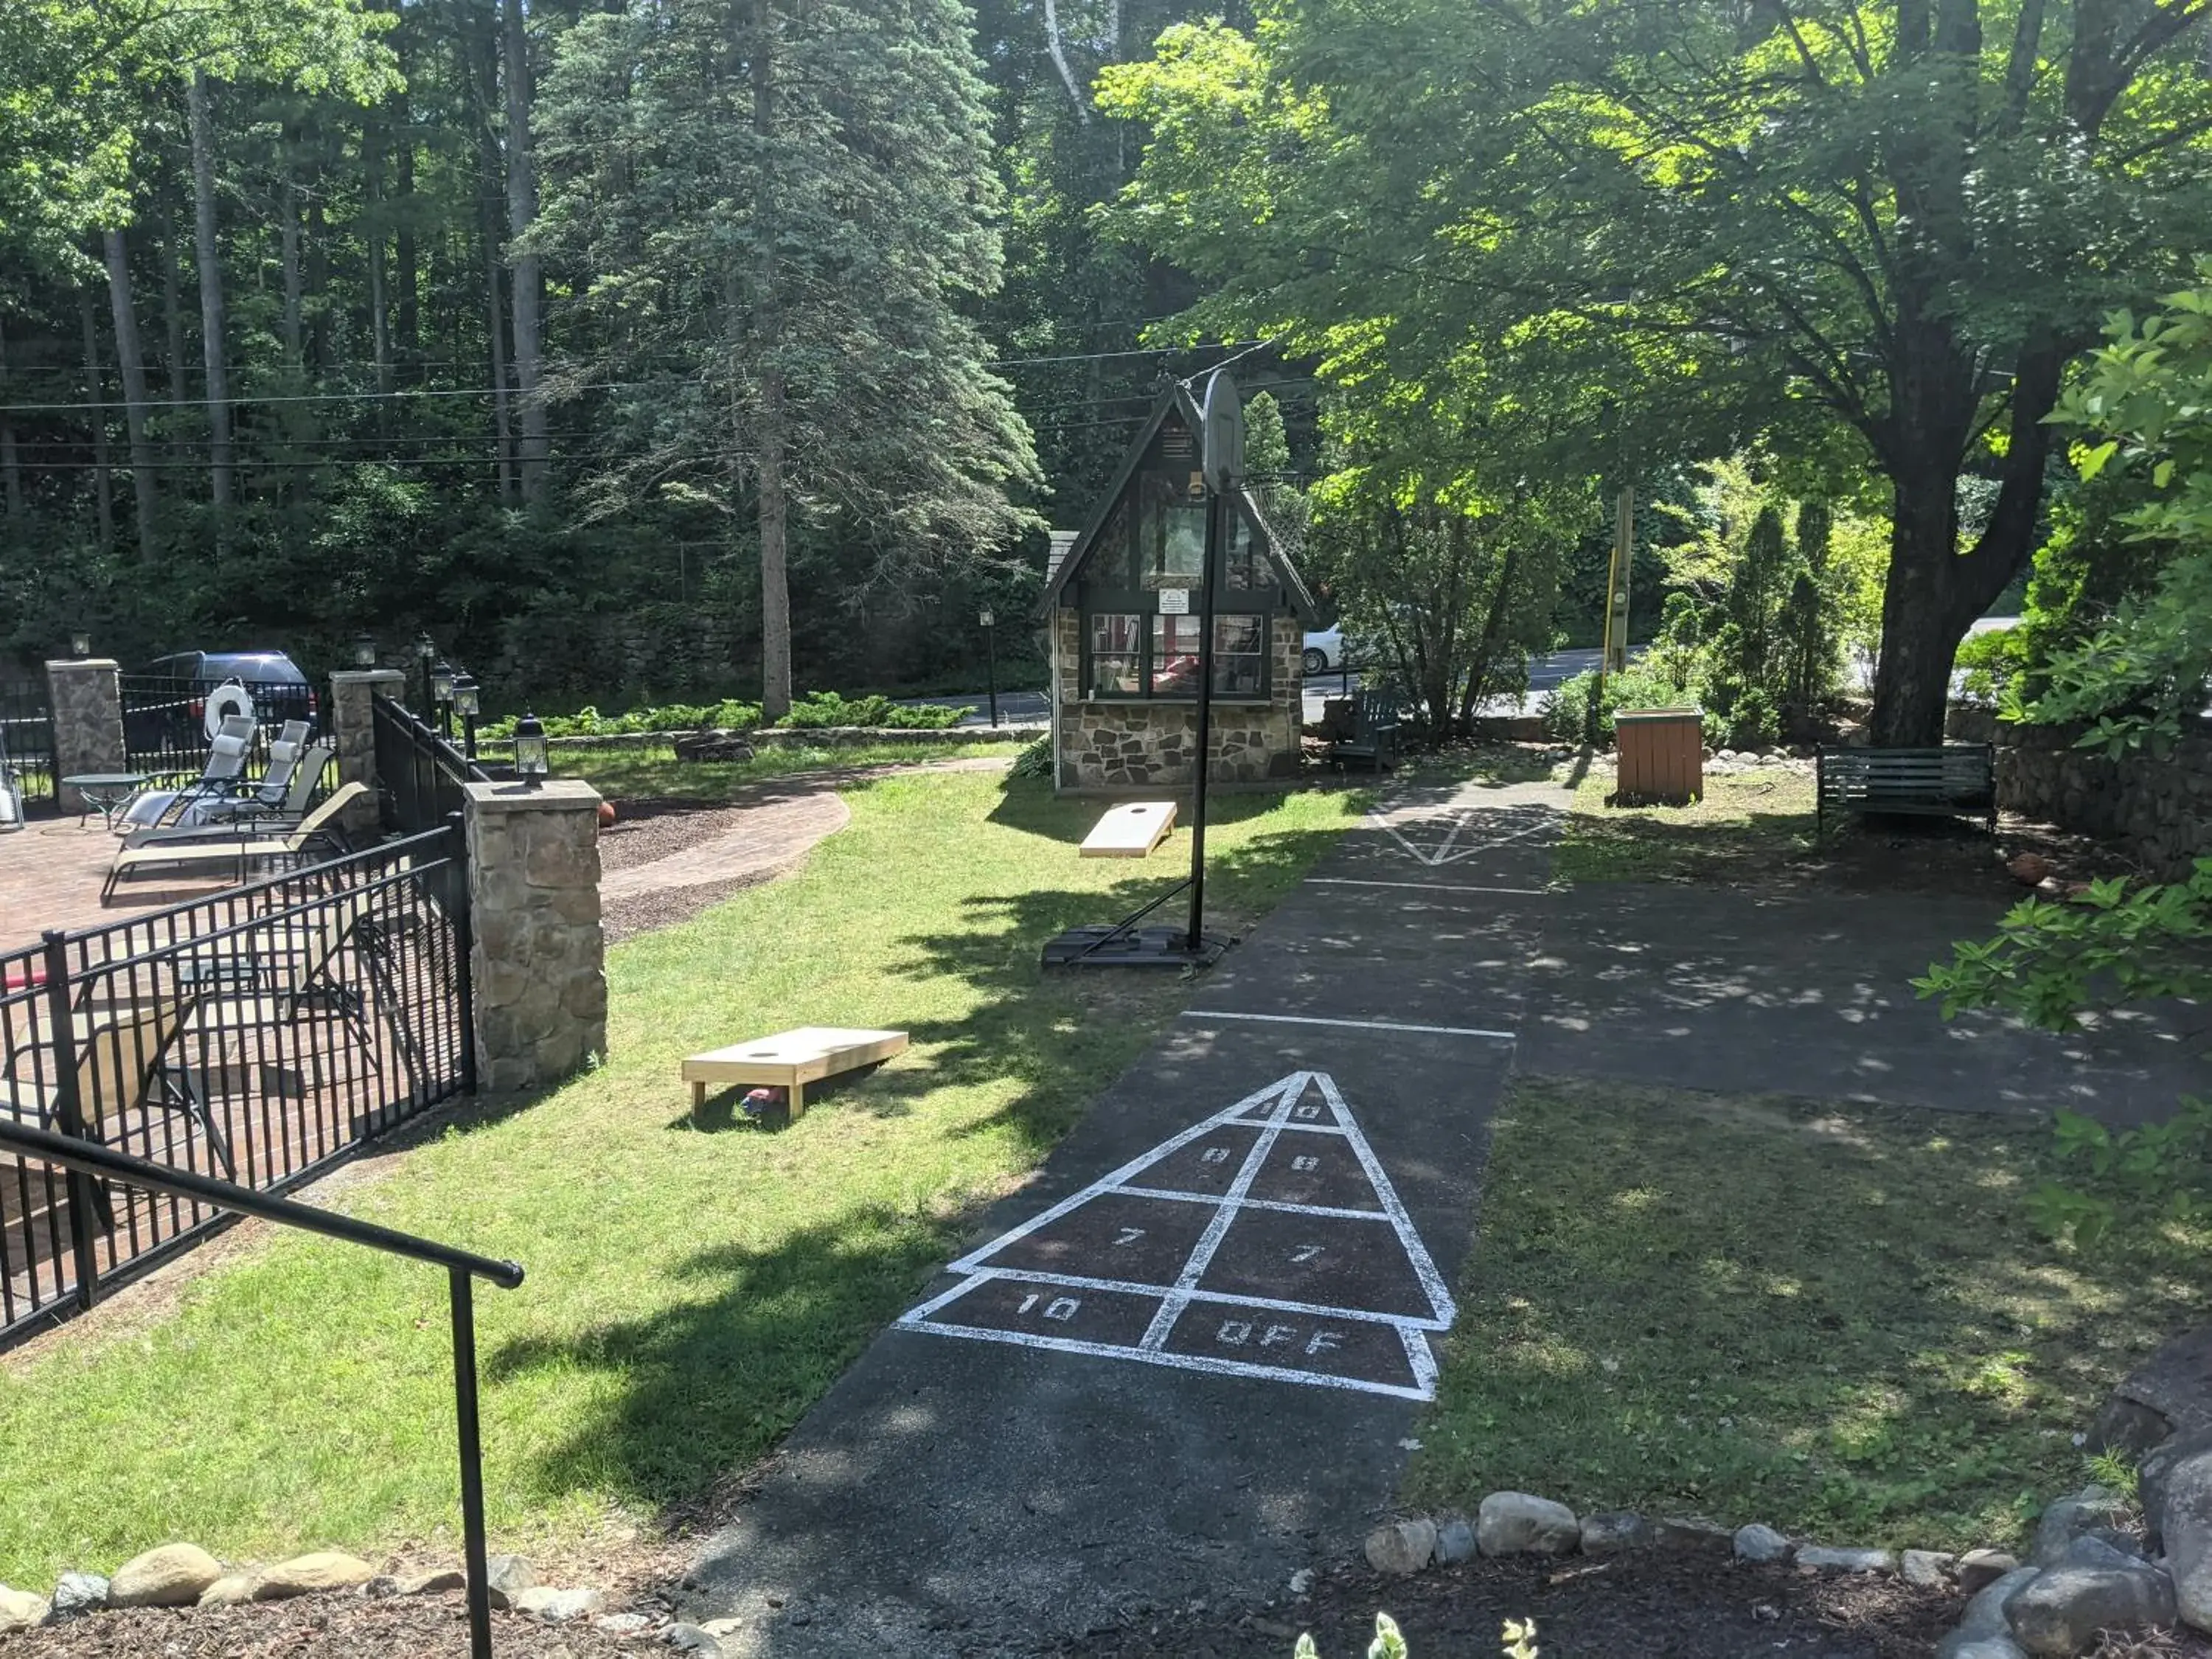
(426,651)
(441,681)
(364,651)
(425,646)
(467,705)
(529,757)
(80,645)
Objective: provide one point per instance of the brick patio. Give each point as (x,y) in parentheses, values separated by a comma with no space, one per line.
(50,873)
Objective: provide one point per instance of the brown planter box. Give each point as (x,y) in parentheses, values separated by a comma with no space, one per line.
(1661,755)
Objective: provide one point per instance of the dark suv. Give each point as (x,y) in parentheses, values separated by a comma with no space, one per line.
(165,703)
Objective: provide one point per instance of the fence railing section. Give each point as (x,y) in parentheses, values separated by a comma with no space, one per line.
(27,737)
(165,720)
(424,778)
(254,1036)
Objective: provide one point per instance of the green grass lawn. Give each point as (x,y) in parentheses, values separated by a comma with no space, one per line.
(1834,1319)
(692,1291)
(629,773)
(1746,821)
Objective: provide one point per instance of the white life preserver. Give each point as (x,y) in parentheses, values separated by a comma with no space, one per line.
(229,701)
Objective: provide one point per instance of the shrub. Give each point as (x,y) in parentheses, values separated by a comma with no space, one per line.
(1034,762)
(1989,664)
(588,722)
(827,709)
(1566,710)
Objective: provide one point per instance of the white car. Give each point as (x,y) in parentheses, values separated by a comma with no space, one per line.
(1324,651)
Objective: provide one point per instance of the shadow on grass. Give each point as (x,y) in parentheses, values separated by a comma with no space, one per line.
(1625,845)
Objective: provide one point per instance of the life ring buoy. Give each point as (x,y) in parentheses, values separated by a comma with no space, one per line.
(229,701)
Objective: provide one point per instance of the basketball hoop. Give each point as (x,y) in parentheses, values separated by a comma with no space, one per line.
(1222,443)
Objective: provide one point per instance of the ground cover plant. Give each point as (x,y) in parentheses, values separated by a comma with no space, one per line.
(1839,1320)
(817,710)
(632,774)
(692,1288)
(1745,822)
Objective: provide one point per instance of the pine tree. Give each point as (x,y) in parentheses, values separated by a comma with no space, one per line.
(782,208)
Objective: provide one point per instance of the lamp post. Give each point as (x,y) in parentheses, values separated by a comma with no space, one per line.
(466,705)
(364,651)
(991,662)
(530,755)
(441,696)
(80,645)
(426,653)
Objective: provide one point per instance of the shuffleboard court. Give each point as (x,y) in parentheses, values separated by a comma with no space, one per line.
(1265,1241)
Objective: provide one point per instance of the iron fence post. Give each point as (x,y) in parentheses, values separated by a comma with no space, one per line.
(464,943)
(473,1502)
(69,1108)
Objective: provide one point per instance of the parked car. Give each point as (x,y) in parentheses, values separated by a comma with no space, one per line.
(165,703)
(1326,651)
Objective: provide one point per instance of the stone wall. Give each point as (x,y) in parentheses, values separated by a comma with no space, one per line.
(1111,745)
(86,700)
(2160,810)
(539,960)
(353,693)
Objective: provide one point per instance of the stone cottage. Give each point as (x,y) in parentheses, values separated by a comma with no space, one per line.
(1122,603)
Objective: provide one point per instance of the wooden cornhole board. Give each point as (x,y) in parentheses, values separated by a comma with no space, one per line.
(790,1061)
(1130,830)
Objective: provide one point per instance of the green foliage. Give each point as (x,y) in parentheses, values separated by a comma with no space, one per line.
(1991,663)
(2115,1472)
(1566,710)
(1388,1644)
(827,709)
(1034,762)
(729,714)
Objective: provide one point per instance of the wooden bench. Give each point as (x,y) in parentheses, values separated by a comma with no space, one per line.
(1374,731)
(1958,779)
(790,1061)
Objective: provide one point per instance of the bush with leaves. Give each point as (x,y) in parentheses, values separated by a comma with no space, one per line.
(1566,710)
(729,714)
(1519,1636)
(826,708)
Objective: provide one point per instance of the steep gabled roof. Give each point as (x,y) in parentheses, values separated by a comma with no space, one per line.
(1174,400)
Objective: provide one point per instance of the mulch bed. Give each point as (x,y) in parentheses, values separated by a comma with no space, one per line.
(339,1626)
(1644,1606)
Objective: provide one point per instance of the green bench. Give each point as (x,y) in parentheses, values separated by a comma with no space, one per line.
(1374,731)
(1958,779)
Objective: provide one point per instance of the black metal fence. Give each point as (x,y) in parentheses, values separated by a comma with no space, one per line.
(256,1036)
(423,777)
(165,725)
(27,737)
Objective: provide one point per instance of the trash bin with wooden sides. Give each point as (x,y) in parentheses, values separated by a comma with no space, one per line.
(1662,757)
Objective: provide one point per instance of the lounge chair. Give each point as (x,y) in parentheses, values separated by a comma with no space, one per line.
(200,857)
(247,815)
(122,1065)
(224,768)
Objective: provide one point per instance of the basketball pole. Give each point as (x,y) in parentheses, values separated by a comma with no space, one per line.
(1214,501)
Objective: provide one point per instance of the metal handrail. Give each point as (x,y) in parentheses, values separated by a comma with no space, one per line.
(84,1158)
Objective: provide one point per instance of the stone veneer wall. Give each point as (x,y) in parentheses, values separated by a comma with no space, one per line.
(539,959)
(1115,744)
(353,693)
(86,701)
(2159,809)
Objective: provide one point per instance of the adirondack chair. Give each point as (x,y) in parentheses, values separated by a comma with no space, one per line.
(1374,731)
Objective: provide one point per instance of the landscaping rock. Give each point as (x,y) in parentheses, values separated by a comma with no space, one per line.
(1401,1547)
(1979,1567)
(437,1581)
(232,1589)
(621,1624)
(1984,1619)
(2177,1504)
(1826,1558)
(2068,1518)
(559,1607)
(1693,1532)
(20,1610)
(2155,1475)
(1611,1531)
(2128,1427)
(1987,1647)
(721,1629)
(508,1576)
(1516,1522)
(2097,1549)
(1925,1569)
(171,1577)
(690,1638)
(2062,1612)
(304,1574)
(1761,1543)
(1455,1541)
(76,1594)
(2171,1389)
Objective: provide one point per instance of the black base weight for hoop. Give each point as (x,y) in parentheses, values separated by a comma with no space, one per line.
(1099,945)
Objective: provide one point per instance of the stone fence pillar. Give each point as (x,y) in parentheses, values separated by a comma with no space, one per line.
(353,693)
(538,969)
(85,699)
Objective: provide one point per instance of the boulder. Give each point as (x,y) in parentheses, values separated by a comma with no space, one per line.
(2172,1387)
(76,1594)
(304,1574)
(171,1577)
(1516,1522)
(20,1610)
(232,1589)
(1826,1558)
(1694,1533)
(2177,1504)
(1978,1568)
(1401,1547)
(559,1607)
(2099,1549)
(1761,1543)
(1925,1569)
(2067,1519)
(1986,1647)
(508,1576)
(1455,1540)
(435,1582)
(1611,1531)
(2062,1612)
(1985,1619)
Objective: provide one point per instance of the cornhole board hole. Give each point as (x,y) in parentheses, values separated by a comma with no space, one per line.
(790,1061)
(1130,830)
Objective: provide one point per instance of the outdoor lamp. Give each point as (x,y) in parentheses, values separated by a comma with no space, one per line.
(465,695)
(80,644)
(530,750)
(985,619)
(442,682)
(364,651)
(425,646)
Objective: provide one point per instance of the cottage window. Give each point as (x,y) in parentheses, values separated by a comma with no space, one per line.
(1117,662)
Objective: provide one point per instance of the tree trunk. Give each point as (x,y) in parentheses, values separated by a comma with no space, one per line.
(11,465)
(287,237)
(1485,656)
(485,49)
(131,362)
(379,299)
(409,283)
(211,272)
(103,486)
(521,208)
(173,296)
(769,439)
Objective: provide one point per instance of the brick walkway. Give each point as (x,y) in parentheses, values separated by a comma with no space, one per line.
(50,873)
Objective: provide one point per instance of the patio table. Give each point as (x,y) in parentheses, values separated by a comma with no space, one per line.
(104,792)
